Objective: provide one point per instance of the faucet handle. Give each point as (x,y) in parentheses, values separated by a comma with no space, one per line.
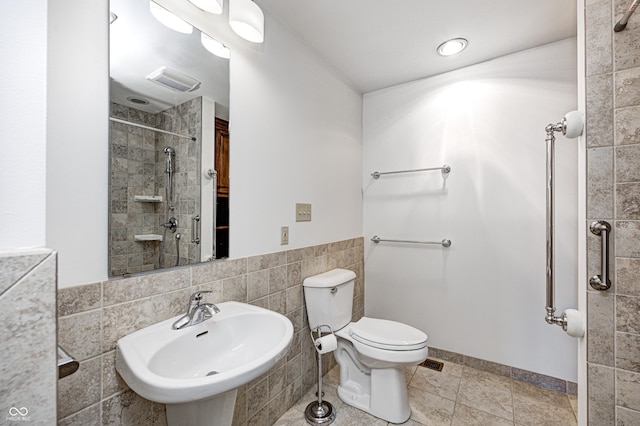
(197,297)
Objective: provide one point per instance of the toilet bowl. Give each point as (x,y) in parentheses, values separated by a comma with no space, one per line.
(372,353)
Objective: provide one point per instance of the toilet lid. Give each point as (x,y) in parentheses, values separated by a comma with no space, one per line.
(385,334)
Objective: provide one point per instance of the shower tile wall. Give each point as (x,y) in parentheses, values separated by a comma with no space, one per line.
(138,168)
(28,337)
(613,194)
(92,317)
(185,119)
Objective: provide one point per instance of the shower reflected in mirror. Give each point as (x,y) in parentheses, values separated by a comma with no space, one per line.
(169,103)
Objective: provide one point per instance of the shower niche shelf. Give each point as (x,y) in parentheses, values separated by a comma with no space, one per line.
(147,237)
(148,198)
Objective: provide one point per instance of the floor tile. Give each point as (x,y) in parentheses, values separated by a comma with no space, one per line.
(456,396)
(443,383)
(536,406)
(486,392)
(347,415)
(467,416)
(429,409)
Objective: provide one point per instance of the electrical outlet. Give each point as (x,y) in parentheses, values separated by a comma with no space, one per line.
(284,235)
(303,212)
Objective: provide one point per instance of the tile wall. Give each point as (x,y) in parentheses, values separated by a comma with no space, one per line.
(613,194)
(28,337)
(92,317)
(137,167)
(185,119)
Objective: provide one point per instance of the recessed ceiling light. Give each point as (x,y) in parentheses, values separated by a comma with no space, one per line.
(453,46)
(137,100)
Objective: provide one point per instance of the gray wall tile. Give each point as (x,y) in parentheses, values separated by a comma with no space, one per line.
(628,389)
(627,160)
(599,115)
(598,38)
(627,125)
(628,314)
(601,330)
(628,200)
(627,236)
(628,351)
(600,183)
(28,335)
(627,88)
(628,276)
(626,417)
(601,399)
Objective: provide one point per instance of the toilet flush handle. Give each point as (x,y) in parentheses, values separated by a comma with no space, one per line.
(334,290)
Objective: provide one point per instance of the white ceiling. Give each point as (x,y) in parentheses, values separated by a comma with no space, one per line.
(381,43)
(139,44)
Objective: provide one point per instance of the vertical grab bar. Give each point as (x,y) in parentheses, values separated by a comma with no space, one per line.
(571,320)
(195,223)
(602,282)
(551,318)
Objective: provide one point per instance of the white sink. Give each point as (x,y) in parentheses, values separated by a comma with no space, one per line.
(199,363)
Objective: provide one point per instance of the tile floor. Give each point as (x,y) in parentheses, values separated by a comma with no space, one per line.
(456,396)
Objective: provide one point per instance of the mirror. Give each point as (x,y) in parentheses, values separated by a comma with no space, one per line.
(169,108)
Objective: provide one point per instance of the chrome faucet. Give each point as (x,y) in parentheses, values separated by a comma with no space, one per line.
(196,312)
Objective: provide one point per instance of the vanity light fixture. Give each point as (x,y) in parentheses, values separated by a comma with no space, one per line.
(214,46)
(247,20)
(211,6)
(168,19)
(453,46)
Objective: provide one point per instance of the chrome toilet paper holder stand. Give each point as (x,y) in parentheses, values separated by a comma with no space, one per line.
(319,412)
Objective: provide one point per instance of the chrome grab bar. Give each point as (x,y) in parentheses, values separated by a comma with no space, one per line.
(551,318)
(571,320)
(444,243)
(195,223)
(603,229)
(445,169)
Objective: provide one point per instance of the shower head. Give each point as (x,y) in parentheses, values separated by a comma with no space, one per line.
(170,153)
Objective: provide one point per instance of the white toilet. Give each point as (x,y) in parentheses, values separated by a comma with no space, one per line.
(372,353)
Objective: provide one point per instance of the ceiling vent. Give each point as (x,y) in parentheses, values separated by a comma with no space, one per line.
(174,80)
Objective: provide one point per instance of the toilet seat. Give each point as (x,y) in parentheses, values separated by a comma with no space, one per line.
(387,335)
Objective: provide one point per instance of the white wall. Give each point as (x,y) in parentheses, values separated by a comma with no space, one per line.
(484,296)
(77,139)
(23,31)
(296,136)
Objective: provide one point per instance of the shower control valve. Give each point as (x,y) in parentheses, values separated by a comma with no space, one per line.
(171,225)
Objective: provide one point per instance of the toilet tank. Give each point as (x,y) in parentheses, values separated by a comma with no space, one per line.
(329,298)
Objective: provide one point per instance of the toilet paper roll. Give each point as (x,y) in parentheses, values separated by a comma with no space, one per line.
(326,344)
(575,323)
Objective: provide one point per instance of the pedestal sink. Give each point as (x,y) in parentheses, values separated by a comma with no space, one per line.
(196,370)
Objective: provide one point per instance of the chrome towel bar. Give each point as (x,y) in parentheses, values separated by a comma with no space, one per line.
(444,243)
(445,169)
